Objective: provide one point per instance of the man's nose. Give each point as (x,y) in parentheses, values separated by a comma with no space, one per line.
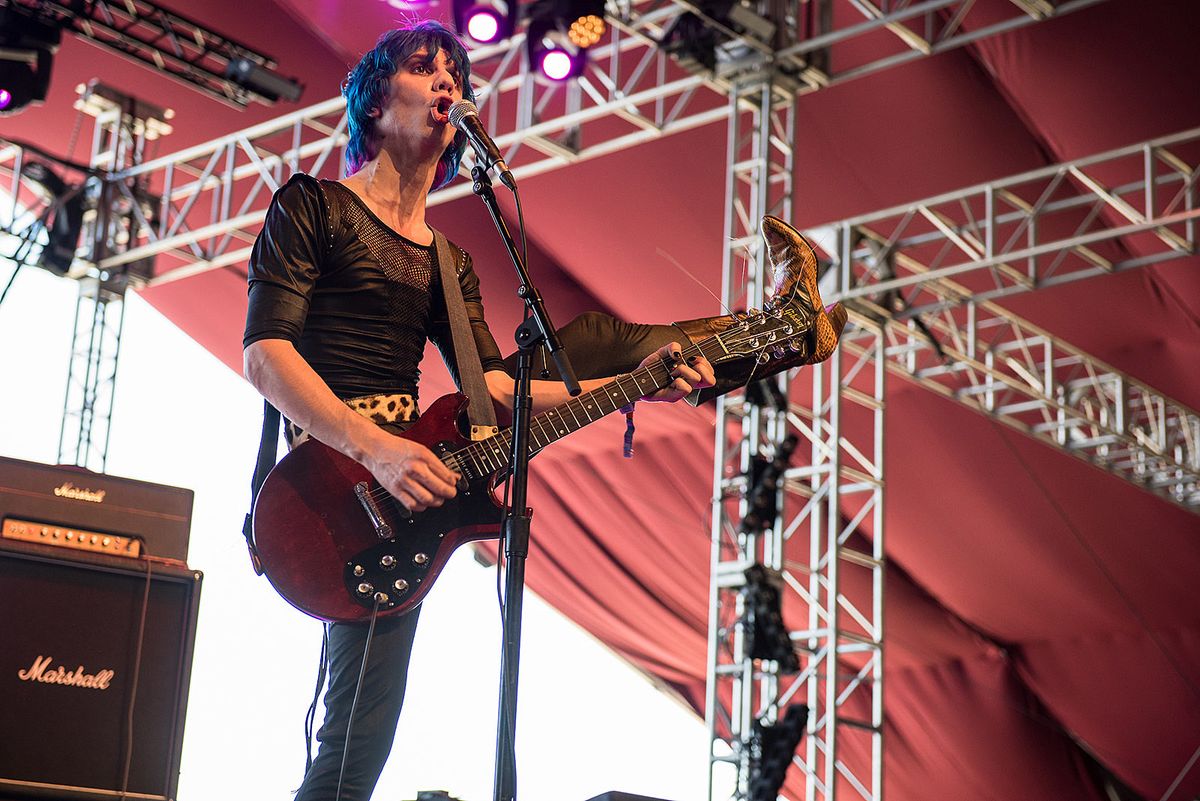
(443,81)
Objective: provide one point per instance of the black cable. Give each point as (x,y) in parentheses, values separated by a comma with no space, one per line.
(59,160)
(133,685)
(362,674)
(311,716)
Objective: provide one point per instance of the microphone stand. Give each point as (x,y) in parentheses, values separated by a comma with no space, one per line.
(535,331)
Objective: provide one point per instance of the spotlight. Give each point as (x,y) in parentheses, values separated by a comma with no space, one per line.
(552,53)
(767,636)
(586,30)
(62,218)
(560,32)
(772,749)
(484,21)
(267,85)
(27,47)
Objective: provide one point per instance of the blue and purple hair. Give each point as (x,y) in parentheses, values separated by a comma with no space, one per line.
(366,90)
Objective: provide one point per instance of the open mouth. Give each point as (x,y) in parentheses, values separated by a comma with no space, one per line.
(441,110)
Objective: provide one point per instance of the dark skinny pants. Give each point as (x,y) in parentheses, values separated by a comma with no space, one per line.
(599,346)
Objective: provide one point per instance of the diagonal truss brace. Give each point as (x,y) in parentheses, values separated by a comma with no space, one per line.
(1115,211)
(996,363)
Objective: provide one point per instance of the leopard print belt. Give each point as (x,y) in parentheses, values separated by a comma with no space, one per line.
(381,409)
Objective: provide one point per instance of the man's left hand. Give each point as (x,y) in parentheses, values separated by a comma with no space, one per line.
(693,373)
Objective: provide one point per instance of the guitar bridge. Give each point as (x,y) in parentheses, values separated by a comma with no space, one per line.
(371,506)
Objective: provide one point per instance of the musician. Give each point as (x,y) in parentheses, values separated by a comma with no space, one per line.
(344,291)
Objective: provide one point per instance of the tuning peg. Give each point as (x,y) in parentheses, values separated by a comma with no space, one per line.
(777,351)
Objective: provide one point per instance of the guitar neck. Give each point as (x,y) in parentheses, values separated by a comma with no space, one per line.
(495,453)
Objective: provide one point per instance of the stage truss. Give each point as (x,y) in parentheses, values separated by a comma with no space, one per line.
(918,278)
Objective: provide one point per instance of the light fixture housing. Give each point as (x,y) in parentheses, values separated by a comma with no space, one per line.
(27,48)
(485,21)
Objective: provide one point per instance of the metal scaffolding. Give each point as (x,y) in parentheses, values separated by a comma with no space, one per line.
(212,198)
(928,271)
(159,38)
(123,127)
(919,280)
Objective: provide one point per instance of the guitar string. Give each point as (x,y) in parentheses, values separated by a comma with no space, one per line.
(497,449)
(492,455)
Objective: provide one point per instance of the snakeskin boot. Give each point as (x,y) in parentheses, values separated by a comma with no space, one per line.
(795,266)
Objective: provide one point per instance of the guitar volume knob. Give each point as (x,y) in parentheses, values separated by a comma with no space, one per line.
(359,570)
(400,585)
(387,561)
(366,588)
(421,559)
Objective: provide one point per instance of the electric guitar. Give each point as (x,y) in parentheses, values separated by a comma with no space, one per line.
(335,544)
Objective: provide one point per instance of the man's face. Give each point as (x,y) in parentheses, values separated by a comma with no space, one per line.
(419,99)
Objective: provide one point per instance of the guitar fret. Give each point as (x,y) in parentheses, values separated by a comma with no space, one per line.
(547,437)
(493,454)
(570,407)
(556,423)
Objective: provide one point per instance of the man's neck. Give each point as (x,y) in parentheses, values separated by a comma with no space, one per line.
(396,194)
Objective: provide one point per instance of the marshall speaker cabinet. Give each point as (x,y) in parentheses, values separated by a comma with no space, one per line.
(97,624)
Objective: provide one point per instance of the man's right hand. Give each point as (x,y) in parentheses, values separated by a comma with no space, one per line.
(411,473)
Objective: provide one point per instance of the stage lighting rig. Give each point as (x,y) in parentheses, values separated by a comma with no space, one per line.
(766,635)
(772,748)
(717,32)
(62,218)
(763,497)
(164,41)
(560,33)
(27,48)
(485,21)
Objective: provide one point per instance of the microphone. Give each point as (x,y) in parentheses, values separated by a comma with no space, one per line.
(465,117)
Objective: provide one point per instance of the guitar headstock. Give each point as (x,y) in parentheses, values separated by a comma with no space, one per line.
(766,334)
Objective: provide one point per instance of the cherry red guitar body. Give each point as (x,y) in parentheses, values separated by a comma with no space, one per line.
(331,540)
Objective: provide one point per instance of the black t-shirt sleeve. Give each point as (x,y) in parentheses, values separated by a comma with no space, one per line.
(286,261)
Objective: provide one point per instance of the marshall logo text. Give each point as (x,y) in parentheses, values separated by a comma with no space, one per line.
(69,490)
(42,671)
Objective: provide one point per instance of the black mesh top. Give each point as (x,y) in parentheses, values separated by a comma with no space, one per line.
(356,299)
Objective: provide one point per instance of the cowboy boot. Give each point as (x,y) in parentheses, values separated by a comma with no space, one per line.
(796,294)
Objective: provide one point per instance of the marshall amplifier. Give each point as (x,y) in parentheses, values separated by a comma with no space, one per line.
(97,625)
(95,662)
(87,512)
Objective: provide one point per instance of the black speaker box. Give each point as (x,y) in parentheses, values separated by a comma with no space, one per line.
(95,662)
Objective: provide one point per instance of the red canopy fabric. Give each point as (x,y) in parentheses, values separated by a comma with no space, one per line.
(1043,627)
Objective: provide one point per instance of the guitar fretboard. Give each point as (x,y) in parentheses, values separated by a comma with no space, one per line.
(488,456)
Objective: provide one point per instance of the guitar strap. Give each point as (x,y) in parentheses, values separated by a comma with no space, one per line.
(268,448)
(470,370)
(480,413)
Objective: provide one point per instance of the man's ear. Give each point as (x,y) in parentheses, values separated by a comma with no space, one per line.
(374,113)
